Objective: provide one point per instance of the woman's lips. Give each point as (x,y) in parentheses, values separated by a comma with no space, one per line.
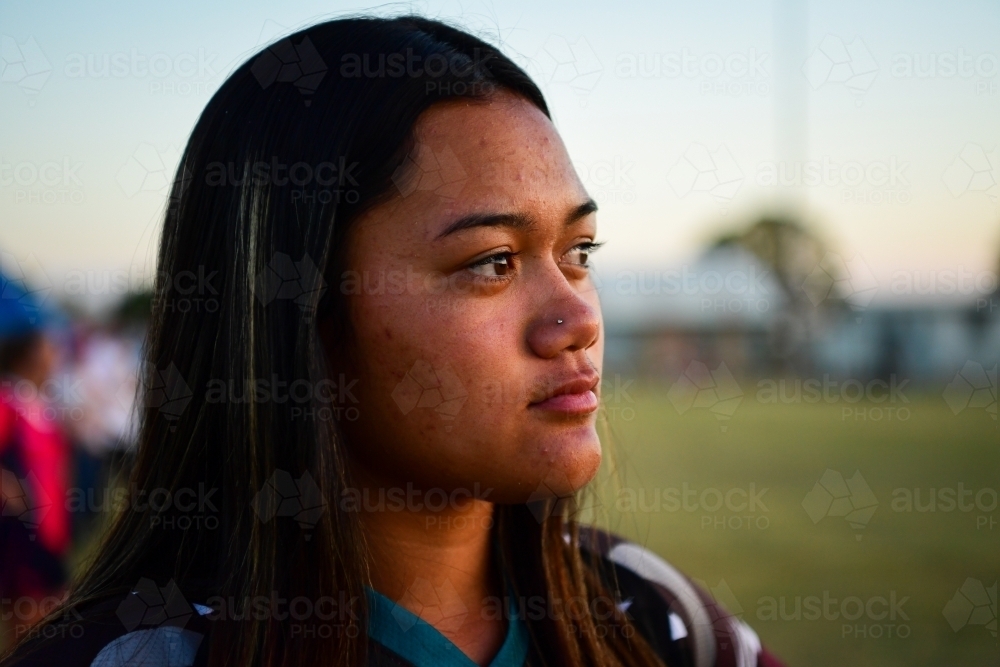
(576,397)
(582,403)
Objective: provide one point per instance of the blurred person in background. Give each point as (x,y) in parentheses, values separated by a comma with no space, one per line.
(34,461)
(103,372)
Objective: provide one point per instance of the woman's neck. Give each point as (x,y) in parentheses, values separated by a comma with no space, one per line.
(437,564)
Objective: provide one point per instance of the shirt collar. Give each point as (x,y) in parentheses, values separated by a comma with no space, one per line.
(420,643)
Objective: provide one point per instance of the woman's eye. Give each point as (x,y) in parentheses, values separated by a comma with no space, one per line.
(494,266)
(580,254)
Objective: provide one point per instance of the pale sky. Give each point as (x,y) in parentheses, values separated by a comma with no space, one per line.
(680,117)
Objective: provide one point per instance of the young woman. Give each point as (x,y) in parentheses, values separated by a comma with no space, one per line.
(374,361)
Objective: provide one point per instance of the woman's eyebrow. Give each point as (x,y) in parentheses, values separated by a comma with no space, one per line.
(514,220)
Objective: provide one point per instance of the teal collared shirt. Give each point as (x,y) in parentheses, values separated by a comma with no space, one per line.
(420,643)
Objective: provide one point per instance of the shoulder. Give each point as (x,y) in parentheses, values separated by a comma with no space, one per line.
(150,626)
(682,622)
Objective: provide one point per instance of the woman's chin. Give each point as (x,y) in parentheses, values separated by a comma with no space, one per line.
(558,467)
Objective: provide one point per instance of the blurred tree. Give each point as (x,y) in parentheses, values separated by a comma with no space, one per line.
(809,276)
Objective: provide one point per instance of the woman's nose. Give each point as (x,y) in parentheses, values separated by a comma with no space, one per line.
(566,323)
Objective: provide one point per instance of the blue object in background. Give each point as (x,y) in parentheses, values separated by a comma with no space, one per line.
(20,311)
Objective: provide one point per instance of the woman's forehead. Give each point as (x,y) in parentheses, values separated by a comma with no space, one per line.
(503,142)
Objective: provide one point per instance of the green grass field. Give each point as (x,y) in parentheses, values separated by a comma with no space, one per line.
(777,551)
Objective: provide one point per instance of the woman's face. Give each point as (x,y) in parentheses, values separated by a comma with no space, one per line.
(478,336)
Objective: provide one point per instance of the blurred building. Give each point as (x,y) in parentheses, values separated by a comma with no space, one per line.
(791,310)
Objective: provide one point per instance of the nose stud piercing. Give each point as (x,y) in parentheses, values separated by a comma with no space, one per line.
(558,321)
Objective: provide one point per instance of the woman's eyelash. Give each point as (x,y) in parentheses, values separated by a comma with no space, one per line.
(587,247)
(491,258)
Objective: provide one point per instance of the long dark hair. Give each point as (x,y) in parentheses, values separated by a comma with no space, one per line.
(297,143)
